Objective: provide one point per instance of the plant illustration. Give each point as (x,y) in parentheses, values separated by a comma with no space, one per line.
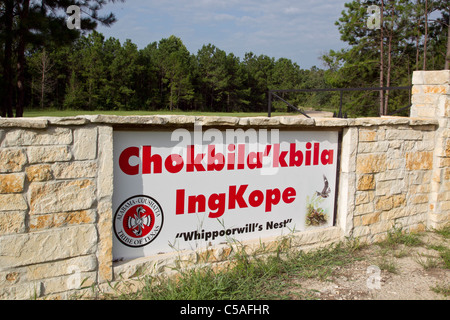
(315,215)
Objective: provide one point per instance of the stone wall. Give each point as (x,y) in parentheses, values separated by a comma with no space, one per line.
(431,100)
(56,186)
(391,175)
(55,205)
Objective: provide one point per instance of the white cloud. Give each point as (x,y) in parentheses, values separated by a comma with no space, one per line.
(281,28)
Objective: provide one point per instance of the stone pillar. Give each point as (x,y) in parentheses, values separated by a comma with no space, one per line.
(431,99)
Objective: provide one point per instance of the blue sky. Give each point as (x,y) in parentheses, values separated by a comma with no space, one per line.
(300,30)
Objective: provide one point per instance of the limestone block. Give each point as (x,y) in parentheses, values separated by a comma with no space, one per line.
(12,183)
(370,218)
(370,163)
(395,164)
(418,177)
(446,174)
(346,201)
(445,206)
(105,160)
(48,154)
(443,162)
(431,77)
(364,208)
(439,220)
(61,267)
(390,187)
(12,202)
(37,247)
(436,77)
(349,150)
(381,227)
(417,209)
(399,134)
(62,286)
(12,222)
(425,111)
(399,200)
(413,221)
(443,196)
(104,226)
(75,169)
(361,232)
(390,175)
(417,78)
(85,143)
(31,123)
(393,214)
(69,272)
(408,145)
(59,220)
(425,98)
(419,160)
(447,149)
(298,121)
(324,122)
(364,197)
(260,121)
(372,147)
(51,136)
(12,160)
(366,182)
(384,203)
(39,172)
(425,145)
(61,196)
(23,291)
(367,135)
(416,89)
(68,121)
(421,188)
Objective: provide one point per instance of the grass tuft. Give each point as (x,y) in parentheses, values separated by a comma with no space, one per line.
(248,277)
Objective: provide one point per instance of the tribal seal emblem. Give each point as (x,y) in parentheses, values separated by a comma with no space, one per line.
(138,221)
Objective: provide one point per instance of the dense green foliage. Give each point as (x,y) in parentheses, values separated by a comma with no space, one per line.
(102,74)
(412,36)
(81,70)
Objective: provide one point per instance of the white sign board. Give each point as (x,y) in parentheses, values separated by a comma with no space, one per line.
(188,189)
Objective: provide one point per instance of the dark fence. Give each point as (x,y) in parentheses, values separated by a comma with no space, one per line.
(273,94)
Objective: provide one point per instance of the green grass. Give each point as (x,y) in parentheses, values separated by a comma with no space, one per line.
(397,236)
(71,113)
(277,274)
(444,232)
(444,290)
(255,277)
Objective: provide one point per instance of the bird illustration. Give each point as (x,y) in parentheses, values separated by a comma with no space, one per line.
(326,189)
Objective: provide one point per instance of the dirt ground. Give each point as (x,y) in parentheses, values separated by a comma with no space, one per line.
(403,273)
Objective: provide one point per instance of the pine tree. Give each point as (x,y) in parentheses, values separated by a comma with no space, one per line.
(22,16)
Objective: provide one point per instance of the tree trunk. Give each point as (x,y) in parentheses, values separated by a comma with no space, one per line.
(417,36)
(417,52)
(447,57)
(43,65)
(7,104)
(388,80)
(21,58)
(381,111)
(171,97)
(426,37)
